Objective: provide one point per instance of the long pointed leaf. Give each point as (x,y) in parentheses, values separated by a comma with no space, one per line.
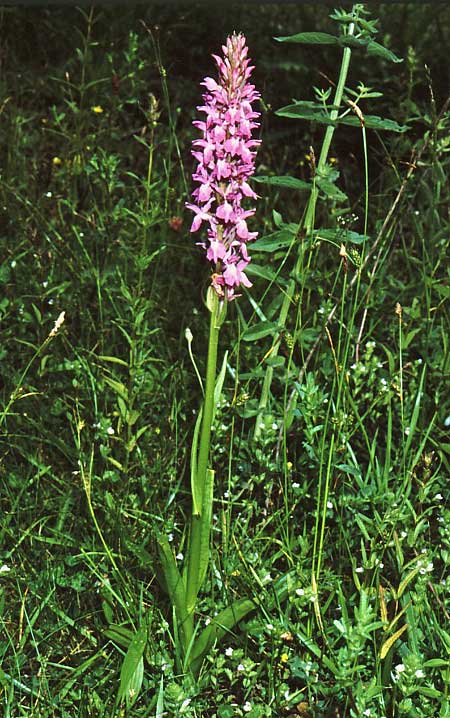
(132,671)
(206,527)
(174,580)
(196,498)
(218,628)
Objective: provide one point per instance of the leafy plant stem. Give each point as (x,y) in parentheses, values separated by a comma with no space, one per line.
(308,226)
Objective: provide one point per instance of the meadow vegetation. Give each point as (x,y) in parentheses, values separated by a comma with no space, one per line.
(330,524)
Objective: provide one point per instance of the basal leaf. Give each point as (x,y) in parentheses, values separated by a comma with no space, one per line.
(218,628)
(132,671)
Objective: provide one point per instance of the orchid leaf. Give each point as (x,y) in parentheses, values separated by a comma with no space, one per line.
(220,626)
(132,671)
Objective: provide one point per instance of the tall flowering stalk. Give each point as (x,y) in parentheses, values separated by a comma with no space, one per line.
(225,156)
(226,159)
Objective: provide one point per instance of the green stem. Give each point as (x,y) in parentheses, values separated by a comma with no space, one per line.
(308,226)
(200,516)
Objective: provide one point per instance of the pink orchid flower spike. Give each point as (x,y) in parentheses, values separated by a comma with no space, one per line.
(225,156)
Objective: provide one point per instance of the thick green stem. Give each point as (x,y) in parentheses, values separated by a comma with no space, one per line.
(200,512)
(308,226)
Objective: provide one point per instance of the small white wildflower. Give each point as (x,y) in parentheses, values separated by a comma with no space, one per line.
(207,621)
(438,497)
(407,430)
(226,494)
(429,567)
(419,673)
(359,569)
(247,707)
(287,695)
(110,430)
(267,578)
(274,426)
(51,301)
(185,704)
(81,234)
(170,538)
(403,534)
(48,194)
(229,651)
(446,420)
(240,668)
(381,564)
(300,591)
(4,568)
(179,556)
(295,485)
(420,360)
(45,284)
(13,264)
(269,626)
(329,504)
(367,712)
(400,668)
(321,310)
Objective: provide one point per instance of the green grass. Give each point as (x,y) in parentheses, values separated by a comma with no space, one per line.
(331,506)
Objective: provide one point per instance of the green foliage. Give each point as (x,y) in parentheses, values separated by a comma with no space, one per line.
(322,585)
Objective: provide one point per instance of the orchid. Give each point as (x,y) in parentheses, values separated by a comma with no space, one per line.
(226,160)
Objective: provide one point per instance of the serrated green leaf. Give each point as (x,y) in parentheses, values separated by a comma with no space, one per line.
(310,38)
(260,330)
(283,181)
(302,112)
(132,671)
(330,190)
(374,48)
(373,122)
(352,41)
(311,112)
(284,238)
(256,270)
(339,236)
